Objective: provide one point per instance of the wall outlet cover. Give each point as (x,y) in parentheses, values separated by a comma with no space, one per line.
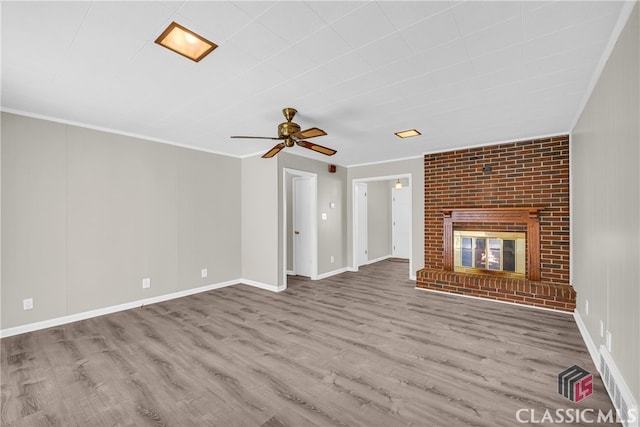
(146,283)
(27,304)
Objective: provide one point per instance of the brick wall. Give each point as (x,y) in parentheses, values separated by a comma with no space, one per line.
(526,173)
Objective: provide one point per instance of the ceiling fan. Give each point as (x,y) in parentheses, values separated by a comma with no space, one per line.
(289,133)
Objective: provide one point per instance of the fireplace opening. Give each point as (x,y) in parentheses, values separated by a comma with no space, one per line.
(490,252)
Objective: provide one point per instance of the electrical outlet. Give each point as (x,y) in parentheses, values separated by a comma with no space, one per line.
(204,273)
(146,283)
(586,307)
(27,304)
(609,341)
(332,259)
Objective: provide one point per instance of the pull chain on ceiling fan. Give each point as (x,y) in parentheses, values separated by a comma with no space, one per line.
(290,134)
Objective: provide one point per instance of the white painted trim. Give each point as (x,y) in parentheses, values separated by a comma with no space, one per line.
(108,310)
(492,300)
(602,356)
(265,286)
(330,273)
(388,161)
(622,389)
(586,337)
(4,333)
(503,141)
(119,132)
(382,258)
(625,13)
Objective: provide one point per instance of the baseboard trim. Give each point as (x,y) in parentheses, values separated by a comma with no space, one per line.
(382,258)
(44,324)
(586,337)
(265,286)
(611,377)
(331,273)
(618,391)
(58,321)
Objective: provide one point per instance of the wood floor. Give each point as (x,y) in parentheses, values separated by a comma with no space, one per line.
(357,349)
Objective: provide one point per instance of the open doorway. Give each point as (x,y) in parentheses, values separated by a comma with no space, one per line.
(300,224)
(382,224)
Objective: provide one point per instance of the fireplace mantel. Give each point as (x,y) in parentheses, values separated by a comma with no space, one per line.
(517,215)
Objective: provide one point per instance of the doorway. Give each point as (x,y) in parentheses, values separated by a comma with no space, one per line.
(302,229)
(401,222)
(401,238)
(300,224)
(361,228)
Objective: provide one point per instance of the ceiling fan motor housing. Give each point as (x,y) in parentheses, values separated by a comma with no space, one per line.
(287,128)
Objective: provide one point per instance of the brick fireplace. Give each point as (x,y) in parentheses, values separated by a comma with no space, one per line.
(522,187)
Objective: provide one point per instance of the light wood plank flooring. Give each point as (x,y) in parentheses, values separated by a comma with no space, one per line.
(357,349)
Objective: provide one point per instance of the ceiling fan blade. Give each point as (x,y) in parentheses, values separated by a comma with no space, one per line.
(316,147)
(257,137)
(309,133)
(275,150)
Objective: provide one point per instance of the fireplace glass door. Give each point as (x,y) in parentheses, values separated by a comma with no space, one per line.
(487,252)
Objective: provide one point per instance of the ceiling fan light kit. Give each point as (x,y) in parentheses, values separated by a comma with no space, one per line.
(290,134)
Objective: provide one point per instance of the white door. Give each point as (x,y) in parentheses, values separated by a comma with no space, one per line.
(401,222)
(302,226)
(361,243)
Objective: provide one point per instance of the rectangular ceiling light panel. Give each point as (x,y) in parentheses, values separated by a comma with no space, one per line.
(408,133)
(185,42)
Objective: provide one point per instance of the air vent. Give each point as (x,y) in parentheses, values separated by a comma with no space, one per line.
(618,391)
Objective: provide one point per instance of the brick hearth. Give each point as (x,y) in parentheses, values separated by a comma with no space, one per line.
(538,294)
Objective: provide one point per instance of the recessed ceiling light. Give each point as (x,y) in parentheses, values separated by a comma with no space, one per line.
(408,133)
(185,42)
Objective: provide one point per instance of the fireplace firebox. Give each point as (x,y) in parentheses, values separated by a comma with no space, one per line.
(525,215)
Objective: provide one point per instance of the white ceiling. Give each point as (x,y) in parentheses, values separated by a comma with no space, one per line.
(462,73)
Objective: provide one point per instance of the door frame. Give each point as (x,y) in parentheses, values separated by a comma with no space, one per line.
(295,173)
(391,178)
(357,227)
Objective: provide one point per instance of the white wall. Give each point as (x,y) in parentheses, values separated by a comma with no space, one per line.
(605,159)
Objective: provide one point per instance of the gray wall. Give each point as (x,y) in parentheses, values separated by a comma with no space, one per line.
(413,167)
(605,159)
(379,219)
(88,214)
(259,213)
(331,189)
